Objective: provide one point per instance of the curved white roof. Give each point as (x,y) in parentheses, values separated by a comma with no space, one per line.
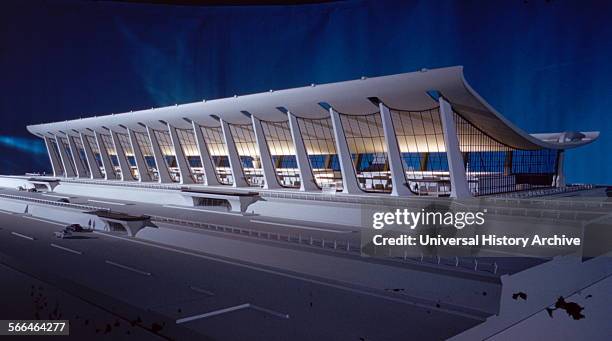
(406,91)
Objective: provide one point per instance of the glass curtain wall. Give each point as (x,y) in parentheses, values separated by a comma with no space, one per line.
(124,140)
(53,145)
(96,152)
(421,143)
(66,147)
(82,157)
(143,142)
(107,140)
(366,141)
(213,136)
(282,150)
(246,144)
(320,144)
(493,167)
(167,149)
(189,147)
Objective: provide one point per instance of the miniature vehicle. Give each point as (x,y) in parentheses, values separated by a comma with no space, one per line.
(63,200)
(27,188)
(63,234)
(74,228)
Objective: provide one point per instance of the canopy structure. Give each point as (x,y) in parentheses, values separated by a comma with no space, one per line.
(401,134)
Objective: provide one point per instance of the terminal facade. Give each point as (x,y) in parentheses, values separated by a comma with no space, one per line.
(425,133)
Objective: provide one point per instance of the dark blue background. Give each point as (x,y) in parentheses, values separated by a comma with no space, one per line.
(546,65)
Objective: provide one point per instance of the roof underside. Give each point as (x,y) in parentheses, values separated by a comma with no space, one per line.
(407,91)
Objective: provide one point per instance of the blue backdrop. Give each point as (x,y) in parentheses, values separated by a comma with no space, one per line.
(546,65)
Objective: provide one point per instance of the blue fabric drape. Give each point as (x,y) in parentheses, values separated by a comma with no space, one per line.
(544,65)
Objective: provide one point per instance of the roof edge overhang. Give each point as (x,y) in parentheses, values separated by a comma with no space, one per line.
(407,91)
(546,140)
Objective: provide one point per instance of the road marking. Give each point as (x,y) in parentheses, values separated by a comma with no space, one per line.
(56,196)
(66,249)
(269,311)
(299,226)
(44,221)
(212,313)
(22,235)
(202,210)
(202,291)
(127,268)
(229,310)
(404,300)
(107,202)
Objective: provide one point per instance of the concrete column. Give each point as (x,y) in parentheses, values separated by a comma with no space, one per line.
(210,173)
(94,170)
(143,170)
(124,165)
(162,170)
(264,154)
(81,171)
(400,187)
(349,178)
(109,169)
(181,159)
(456,167)
(560,179)
(232,155)
(66,163)
(56,164)
(307,182)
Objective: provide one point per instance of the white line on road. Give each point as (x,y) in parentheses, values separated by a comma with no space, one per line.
(128,268)
(22,235)
(299,226)
(107,202)
(230,309)
(202,210)
(202,291)
(297,277)
(212,313)
(269,311)
(44,221)
(56,196)
(66,249)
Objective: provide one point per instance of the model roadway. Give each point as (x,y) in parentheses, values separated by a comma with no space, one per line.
(168,293)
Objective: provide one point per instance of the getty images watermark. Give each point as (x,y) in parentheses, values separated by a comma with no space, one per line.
(413,219)
(404,227)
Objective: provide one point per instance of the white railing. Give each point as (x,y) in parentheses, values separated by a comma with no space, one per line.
(153,185)
(342,246)
(540,192)
(509,199)
(55,203)
(329,244)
